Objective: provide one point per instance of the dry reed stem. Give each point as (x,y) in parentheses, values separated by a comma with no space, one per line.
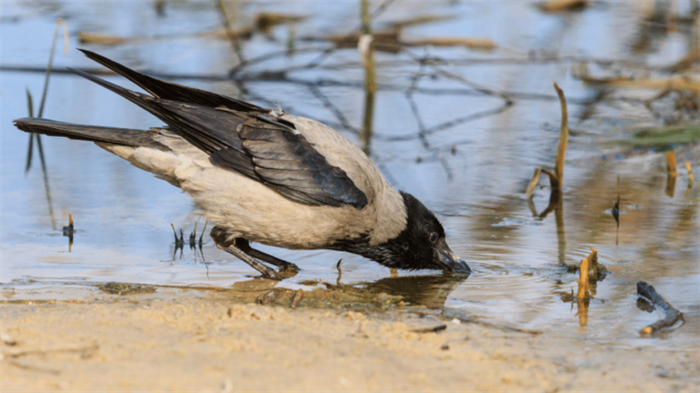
(533,183)
(365,49)
(670,84)
(230,32)
(60,23)
(480,43)
(563,140)
(556,178)
(583,279)
(582,297)
(97,38)
(593,257)
(552,178)
(671,164)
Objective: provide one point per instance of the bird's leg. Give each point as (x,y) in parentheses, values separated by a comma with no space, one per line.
(222,241)
(283,265)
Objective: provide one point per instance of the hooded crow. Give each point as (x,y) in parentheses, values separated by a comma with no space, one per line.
(266,176)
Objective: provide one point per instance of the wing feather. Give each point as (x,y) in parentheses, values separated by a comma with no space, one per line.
(253,143)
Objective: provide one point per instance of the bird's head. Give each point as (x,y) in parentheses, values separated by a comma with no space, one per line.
(421,244)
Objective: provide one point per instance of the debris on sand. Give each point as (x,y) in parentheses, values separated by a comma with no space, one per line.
(297,298)
(117,288)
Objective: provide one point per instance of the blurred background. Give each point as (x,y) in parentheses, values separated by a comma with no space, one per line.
(453,100)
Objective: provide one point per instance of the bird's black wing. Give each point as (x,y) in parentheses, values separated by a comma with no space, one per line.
(253,144)
(173,91)
(287,162)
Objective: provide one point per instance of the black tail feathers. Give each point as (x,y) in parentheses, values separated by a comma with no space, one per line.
(116,136)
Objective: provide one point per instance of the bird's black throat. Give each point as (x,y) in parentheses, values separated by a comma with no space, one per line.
(411,249)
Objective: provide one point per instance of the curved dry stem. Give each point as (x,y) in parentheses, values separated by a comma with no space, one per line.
(533,183)
(563,140)
(59,23)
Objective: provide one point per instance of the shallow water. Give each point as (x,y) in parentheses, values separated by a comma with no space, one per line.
(473,175)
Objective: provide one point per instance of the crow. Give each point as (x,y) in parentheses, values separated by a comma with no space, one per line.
(266,176)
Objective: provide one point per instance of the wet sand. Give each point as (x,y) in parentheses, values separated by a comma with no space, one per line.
(220,340)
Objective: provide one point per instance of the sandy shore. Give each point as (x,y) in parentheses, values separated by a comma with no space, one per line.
(220,341)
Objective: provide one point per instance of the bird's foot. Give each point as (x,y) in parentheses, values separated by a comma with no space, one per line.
(241,249)
(266,272)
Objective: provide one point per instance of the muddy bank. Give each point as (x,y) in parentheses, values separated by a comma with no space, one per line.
(191,340)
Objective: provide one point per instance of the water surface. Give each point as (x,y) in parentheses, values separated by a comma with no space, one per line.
(468,155)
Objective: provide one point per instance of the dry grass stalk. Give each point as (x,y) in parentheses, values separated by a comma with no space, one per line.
(365,48)
(479,43)
(562,5)
(420,20)
(533,183)
(593,258)
(556,178)
(583,294)
(230,32)
(670,84)
(563,140)
(97,38)
(671,164)
(582,281)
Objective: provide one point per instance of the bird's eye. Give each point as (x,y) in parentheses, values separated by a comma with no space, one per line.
(433,237)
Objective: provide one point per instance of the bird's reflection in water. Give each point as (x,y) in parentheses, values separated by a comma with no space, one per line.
(430,291)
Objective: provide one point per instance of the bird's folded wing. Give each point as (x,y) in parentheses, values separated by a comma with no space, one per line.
(252,143)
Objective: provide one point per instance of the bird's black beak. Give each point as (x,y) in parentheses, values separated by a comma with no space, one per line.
(449,261)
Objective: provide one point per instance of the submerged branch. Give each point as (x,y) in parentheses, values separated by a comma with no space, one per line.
(671,314)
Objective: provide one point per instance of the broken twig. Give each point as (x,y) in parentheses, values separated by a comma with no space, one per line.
(671,314)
